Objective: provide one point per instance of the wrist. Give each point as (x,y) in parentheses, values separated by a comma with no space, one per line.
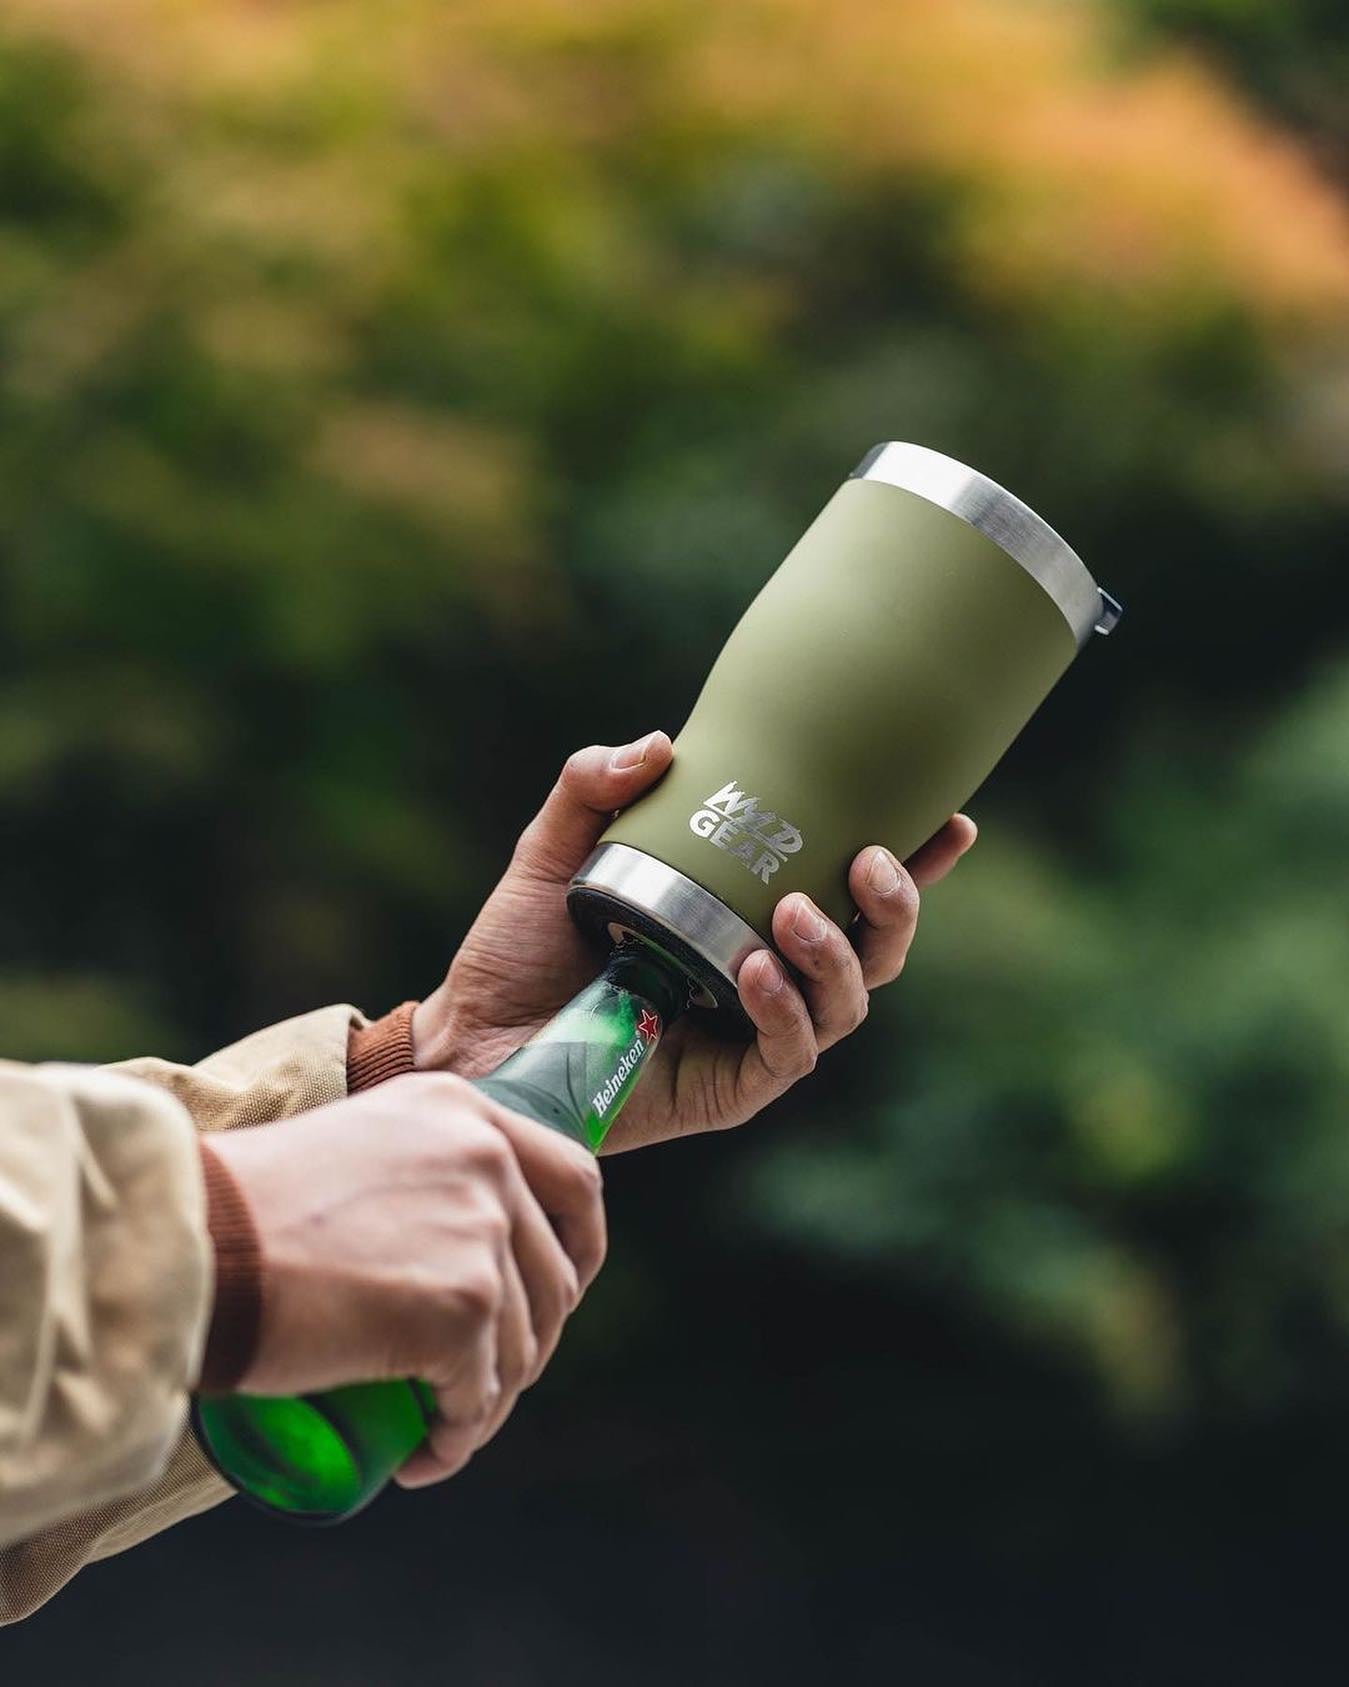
(432,1034)
(236,1313)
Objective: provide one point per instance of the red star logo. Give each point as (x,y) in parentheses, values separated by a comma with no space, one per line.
(648,1026)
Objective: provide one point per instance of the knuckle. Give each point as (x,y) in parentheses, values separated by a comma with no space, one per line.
(577,764)
(586,1253)
(433,1103)
(435,1089)
(559,1303)
(489,1397)
(834,948)
(494,1226)
(595,1236)
(581,1177)
(478,1293)
(489,1401)
(892,905)
(487,1151)
(904,900)
(399,1103)
(528,1361)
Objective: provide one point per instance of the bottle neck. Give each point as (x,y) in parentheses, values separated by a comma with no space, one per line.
(645,973)
(577,1073)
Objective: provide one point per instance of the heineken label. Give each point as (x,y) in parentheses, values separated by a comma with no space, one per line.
(578,1071)
(615,1086)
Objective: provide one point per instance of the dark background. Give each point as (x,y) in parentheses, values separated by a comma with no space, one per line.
(394,397)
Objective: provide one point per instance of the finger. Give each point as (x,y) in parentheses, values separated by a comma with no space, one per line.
(451,1442)
(592,784)
(565,1181)
(550,1281)
(887,903)
(517,1348)
(831,973)
(465,1379)
(422,1468)
(443,1454)
(784,1047)
(935,859)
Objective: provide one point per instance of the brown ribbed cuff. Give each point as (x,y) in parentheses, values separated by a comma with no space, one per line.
(382,1050)
(237,1315)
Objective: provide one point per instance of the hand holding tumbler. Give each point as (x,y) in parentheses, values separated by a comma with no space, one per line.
(867,691)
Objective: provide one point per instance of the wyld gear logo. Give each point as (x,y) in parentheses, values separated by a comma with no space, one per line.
(734,822)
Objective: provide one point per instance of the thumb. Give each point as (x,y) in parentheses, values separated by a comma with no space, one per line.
(592,784)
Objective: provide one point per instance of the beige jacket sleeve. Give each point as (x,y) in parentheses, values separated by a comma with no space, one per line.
(105,1288)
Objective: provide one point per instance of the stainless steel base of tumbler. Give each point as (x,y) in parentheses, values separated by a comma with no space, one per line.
(621,889)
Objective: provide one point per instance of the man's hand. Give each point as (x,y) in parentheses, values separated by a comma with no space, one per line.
(417,1229)
(524,959)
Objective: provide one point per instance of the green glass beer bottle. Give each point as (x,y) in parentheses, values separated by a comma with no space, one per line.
(319,1458)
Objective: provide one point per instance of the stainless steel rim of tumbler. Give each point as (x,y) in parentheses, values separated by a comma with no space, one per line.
(1001,516)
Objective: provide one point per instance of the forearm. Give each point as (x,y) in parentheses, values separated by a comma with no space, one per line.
(105,1294)
(273,1074)
(277,1072)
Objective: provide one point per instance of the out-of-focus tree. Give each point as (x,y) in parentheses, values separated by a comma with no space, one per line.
(1291,54)
(1122,1119)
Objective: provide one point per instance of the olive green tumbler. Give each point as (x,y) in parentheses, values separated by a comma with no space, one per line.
(866,693)
(868,690)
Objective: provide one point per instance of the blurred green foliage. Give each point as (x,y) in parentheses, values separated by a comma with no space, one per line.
(393,397)
(1122,1121)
